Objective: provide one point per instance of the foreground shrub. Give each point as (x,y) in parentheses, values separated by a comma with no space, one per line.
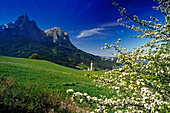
(17,98)
(31,98)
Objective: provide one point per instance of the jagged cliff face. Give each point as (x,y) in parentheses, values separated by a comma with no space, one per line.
(23,27)
(58,36)
(28,28)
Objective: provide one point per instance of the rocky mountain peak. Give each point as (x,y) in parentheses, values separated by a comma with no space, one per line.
(59,37)
(56,30)
(22,19)
(28,28)
(23,27)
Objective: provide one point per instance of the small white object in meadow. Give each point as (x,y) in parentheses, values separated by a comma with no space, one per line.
(92,65)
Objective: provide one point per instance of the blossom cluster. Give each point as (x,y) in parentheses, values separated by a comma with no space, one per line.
(132,92)
(154,54)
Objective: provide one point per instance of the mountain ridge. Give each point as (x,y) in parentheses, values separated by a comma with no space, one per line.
(53,44)
(28,28)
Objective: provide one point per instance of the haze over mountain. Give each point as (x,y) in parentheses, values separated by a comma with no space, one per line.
(23,38)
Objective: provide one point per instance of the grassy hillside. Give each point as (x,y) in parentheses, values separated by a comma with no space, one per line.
(45,75)
(23,47)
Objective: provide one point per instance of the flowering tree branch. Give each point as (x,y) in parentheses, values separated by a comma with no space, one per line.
(143,86)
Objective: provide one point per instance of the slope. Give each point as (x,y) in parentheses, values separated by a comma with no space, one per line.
(23,47)
(48,75)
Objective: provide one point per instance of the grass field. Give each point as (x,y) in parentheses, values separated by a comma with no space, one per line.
(48,76)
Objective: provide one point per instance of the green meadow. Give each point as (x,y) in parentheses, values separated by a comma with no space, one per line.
(47,76)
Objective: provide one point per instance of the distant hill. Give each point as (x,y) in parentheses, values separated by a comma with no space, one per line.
(23,38)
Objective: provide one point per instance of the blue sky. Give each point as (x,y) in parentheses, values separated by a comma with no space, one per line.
(89,23)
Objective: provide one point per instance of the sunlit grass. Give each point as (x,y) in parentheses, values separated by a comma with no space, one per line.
(48,75)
